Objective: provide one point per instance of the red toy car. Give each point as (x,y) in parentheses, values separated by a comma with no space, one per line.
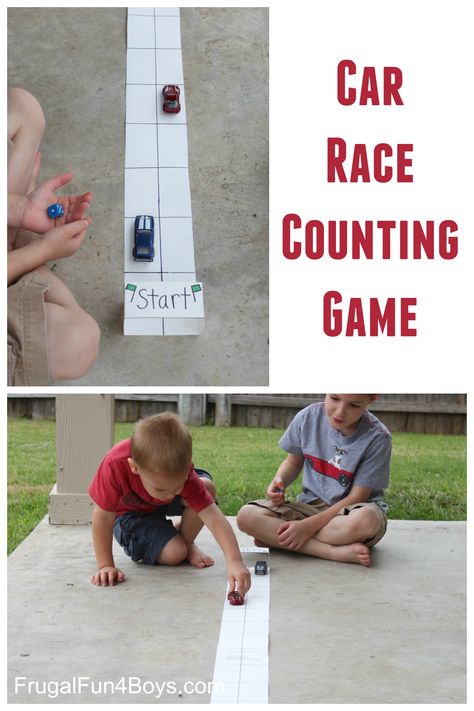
(171,103)
(235,598)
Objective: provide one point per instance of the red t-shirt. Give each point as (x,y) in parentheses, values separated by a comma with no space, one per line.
(116,488)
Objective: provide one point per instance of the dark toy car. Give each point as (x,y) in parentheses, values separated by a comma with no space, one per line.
(260,567)
(235,598)
(144,239)
(171,103)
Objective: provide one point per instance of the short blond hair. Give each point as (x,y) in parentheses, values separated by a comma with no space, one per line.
(162,443)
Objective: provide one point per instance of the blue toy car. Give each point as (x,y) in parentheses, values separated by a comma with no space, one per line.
(144,239)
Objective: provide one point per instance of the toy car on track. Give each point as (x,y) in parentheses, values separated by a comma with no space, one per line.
(235,598)
(261,567)
(144,239)
(171,103)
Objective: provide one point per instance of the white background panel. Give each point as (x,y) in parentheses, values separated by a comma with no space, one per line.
(431,44)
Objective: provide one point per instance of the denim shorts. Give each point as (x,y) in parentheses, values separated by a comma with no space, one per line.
(144,535)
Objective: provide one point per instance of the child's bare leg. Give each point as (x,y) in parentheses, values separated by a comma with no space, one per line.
(174,552)
(260,523)
(189,529)
(359,525)
(26,124)
(73,335)
(263,524)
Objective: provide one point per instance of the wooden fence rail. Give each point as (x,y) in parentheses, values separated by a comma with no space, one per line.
(422,413)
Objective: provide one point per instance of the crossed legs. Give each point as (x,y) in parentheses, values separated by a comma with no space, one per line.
(340,540)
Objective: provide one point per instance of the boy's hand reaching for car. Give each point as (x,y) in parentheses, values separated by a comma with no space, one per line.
(239,578)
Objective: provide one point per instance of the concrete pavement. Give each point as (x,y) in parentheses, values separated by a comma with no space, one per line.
(339,633)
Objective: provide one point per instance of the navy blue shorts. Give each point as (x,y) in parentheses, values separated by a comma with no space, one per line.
(144,535)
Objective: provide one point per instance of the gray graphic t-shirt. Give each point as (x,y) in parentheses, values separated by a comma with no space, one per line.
(333,463)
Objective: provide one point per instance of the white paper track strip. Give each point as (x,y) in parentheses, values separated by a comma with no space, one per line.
(241,667)
(156,170)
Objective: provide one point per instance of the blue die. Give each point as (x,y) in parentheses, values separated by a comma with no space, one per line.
(55,210)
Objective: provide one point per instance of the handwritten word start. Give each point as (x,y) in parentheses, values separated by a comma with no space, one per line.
(155,298)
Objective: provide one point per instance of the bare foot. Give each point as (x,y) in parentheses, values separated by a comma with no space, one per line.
(353,553)
(197,558)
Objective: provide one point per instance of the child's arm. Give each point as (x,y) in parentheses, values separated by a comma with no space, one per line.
(238,574)
(294,534)
(59,242)
(287,472)
(102,534)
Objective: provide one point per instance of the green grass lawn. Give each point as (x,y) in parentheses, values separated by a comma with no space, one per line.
(428,480)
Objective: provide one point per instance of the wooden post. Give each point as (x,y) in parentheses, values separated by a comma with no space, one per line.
(84,433)
(223,410)
(192,409)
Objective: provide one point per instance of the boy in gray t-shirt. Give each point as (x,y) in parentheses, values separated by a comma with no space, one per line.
(344,452)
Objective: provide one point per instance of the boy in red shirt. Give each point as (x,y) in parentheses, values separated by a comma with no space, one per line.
(140,482)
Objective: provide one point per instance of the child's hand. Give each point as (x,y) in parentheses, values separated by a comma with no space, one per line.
(108,575)
(276,491)
(65,240)
(239,577)
(293,535)
(36,219)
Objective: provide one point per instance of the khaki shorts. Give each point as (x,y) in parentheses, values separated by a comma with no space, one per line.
(297,510)
(28,361)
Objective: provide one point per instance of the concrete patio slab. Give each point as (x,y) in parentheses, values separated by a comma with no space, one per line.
(73,61)
(339,633)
